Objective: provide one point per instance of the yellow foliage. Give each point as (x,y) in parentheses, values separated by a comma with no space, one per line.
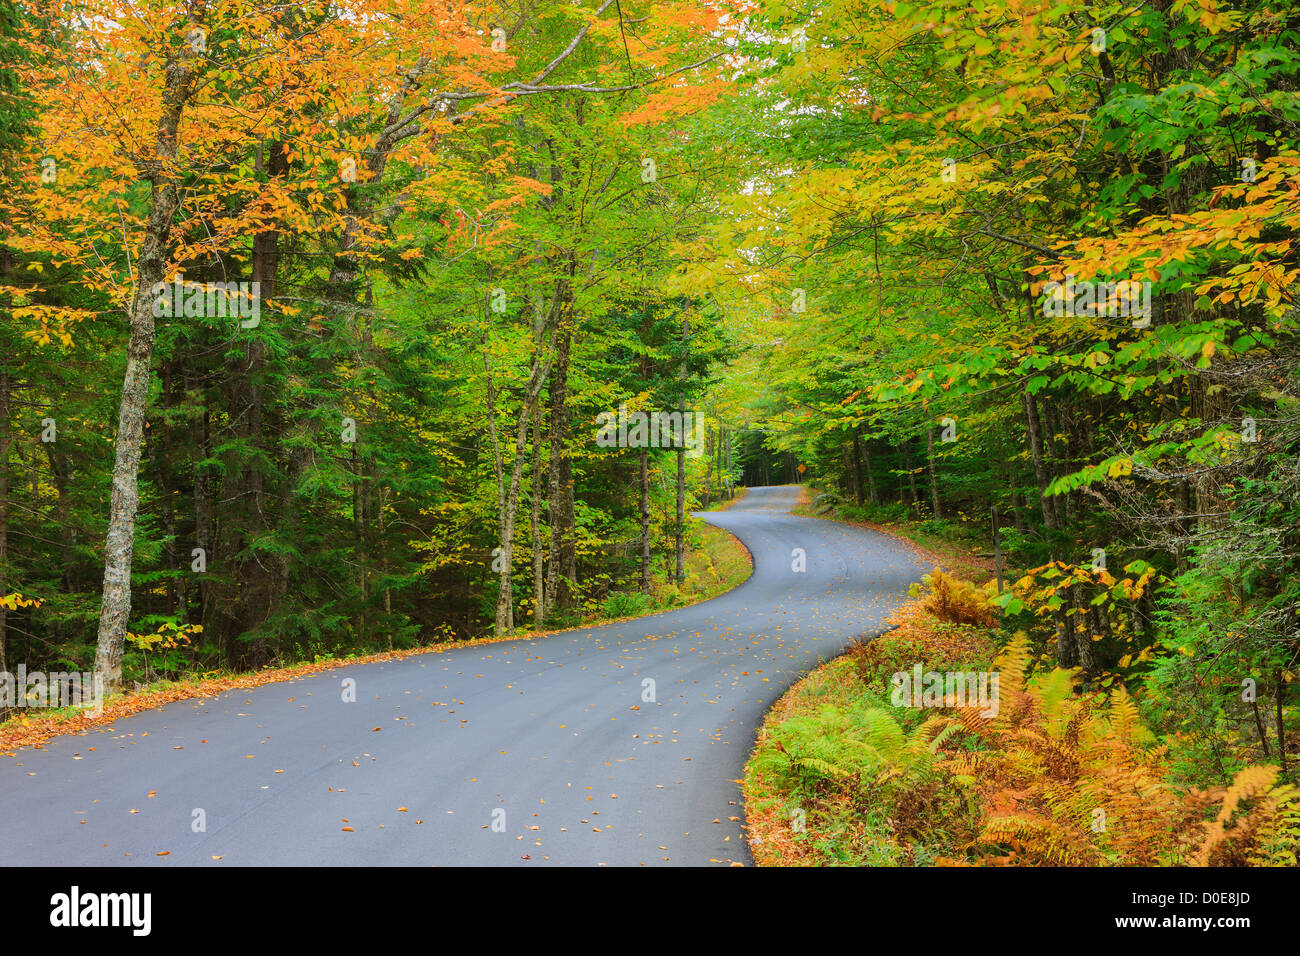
(960,602)
(13,602)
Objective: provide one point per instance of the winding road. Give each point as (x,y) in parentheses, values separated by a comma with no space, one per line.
(537,751)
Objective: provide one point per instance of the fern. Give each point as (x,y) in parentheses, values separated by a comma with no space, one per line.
(1231,838)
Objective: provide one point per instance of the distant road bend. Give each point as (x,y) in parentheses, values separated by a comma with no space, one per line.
(530,752)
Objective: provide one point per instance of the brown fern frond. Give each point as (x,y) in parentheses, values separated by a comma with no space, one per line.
(1248,784)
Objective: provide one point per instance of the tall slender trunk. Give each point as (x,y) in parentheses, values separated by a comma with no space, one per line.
(872,493)
(203,519)
(680,535)
(6,386)
(934,484)
(911,475)
(680,574)
(4,514)
(718,439)
(1018,510)
(643,510)
(151,265)
(1081,631)
(508,496)
(727,455)
(1278,684)
(383,569)
(709,440)
(856,458)
(1034,424)
(256,586)
(1067,649)
(561,567)
(535,526)
(177,571)
(360,522)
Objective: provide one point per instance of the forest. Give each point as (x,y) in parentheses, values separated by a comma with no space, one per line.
(335,328)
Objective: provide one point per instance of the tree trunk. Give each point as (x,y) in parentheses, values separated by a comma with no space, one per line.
(727,454)
(4,515)
(1034,424)
(508,497)
(911,476)
(856,457)
(535,526)
(1278,684)
(561,570)
(718,439)
(680,536)
(177,570)
(203,520)
(643,508)
(873,494)
(151,265)
(1018,510)
(934,484)
(709,440)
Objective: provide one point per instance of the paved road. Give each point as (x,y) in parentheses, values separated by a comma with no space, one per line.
(549,738)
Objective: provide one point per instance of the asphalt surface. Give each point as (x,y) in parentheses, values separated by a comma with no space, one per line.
(531,752)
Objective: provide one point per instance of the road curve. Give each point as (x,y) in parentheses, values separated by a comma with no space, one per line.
(530,752)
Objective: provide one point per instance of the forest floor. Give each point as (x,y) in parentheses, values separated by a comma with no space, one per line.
(718,564)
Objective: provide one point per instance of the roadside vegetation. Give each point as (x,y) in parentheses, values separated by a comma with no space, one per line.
(1063,770)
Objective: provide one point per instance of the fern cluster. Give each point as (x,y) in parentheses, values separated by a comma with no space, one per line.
(1066,779)
(957,601)
(861,754)
(1053,775)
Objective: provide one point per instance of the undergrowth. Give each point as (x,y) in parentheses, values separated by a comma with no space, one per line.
(1056,775)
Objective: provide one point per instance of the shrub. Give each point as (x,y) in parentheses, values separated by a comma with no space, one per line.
(876,659)
(960,602)
(625,603)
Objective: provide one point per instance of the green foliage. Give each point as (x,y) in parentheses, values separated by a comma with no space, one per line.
(625,603)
